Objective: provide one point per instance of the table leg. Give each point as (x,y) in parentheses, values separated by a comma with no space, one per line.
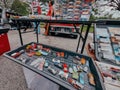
(86,35)
(36,29)
(80,34)
(18,27)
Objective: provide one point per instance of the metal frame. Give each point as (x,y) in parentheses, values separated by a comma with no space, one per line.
(37,21)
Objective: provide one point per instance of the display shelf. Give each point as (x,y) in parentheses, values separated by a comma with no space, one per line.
(105,46)
(66,58)
(111,75)
(73,10)
(70,10)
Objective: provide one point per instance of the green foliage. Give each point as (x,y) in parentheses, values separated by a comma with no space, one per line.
(92,18)
(103,17)
(95,10)
(20,7)
(91,28)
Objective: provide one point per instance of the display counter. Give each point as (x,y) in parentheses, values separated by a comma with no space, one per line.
(107,42)
(70,70)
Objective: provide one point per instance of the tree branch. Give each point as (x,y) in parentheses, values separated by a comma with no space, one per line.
(118,1)
(5,3)
(115,1)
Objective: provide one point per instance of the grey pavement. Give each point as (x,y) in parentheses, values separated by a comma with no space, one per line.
(11,74)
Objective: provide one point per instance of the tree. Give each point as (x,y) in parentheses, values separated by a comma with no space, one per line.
(115,3)
(20,7)
(5,4)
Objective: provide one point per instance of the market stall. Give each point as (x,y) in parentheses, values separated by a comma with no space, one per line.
(65,68)
(104,50)
(68,69)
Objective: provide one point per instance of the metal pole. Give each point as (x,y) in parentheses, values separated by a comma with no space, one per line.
(79,35)
(88,28)
(19,31)
(36,29)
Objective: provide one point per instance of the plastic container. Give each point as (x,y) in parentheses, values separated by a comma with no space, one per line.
(4,42)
